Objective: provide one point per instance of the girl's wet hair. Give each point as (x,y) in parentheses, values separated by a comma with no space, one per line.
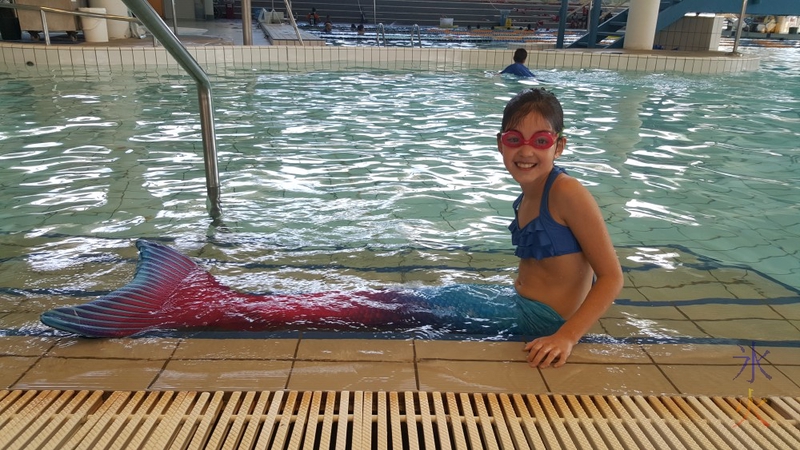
(533,101)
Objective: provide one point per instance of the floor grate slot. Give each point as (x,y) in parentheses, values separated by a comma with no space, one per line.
(392,420)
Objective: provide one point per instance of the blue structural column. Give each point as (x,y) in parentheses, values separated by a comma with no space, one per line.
(640,31)
(562,23)
(594,20)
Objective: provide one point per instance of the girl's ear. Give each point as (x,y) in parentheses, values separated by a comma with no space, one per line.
(561,143)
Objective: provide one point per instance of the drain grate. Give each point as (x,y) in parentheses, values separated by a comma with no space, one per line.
(389,420)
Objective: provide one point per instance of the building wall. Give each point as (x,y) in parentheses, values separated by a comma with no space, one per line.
(691,34)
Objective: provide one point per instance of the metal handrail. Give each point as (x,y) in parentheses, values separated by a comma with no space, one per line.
(47,9)
(739,29)
(419,35)
(147,16)
(154,23)
(380,31)
(292,21)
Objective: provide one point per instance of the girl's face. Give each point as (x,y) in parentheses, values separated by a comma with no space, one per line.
(525,162)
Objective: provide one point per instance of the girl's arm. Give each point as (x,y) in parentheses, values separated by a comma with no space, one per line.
(575,205)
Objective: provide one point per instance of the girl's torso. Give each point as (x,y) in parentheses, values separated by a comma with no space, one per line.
(561,281)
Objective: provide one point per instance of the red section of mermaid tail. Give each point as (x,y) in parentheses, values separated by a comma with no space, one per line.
(170,291)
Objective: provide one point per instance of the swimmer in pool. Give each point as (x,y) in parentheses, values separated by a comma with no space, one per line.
(567,260)
(518,67)
(561,246)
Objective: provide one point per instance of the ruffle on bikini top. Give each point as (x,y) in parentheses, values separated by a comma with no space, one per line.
(542,238)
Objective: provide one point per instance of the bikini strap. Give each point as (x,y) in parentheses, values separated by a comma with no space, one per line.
(551,178)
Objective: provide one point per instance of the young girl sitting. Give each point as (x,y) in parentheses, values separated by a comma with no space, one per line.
(567,261)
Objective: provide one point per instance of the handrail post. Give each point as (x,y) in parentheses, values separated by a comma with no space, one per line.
(739,28)
(44,27)
(247,23)
(294,24)
(380,31)
(174,17)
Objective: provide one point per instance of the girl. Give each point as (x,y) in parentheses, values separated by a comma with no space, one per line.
(567,261)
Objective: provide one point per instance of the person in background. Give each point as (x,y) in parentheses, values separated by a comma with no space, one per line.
(569,273)
(328,24)
(313,17)
(518,68)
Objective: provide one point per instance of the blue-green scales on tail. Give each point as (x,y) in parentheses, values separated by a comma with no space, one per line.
(170,291)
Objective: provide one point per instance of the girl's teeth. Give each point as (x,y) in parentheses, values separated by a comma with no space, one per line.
(525,165)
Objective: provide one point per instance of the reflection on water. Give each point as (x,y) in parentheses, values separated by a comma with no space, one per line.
(330,167)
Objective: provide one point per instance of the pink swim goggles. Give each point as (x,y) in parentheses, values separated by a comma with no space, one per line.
(541,140)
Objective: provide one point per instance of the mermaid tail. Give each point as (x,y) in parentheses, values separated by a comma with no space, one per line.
(170,291)
(136,306)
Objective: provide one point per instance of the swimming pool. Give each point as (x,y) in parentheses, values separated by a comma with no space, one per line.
(344,180)
(409,36)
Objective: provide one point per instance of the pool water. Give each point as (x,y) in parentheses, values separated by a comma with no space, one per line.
(409,36)
(346,180)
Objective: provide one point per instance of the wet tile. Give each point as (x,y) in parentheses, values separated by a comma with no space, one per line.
(355,350)
(791,372)
(235,349)
(750,329)
(769,288)
(479,376)
(608,353)
(651,328)
(791,312)
(688,292)
(353,376)
(12,368)
(606,379)
(76,373)
(644,311)
(717,312)
(226,375)
(9,304)
(631,293)
(597,329)
(24,321)
(40,304)
(704,354)
(741,290)
(724,381)
(669,280)
(25,345)
(780,355)
(468,350)
(125,348)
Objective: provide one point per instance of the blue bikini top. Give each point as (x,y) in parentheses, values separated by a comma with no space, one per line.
(542,237)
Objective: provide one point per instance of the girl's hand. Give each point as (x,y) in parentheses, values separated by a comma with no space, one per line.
(547,350)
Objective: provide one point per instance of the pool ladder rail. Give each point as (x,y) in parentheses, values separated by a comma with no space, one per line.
(380,34)
(380,31)
(419,35)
